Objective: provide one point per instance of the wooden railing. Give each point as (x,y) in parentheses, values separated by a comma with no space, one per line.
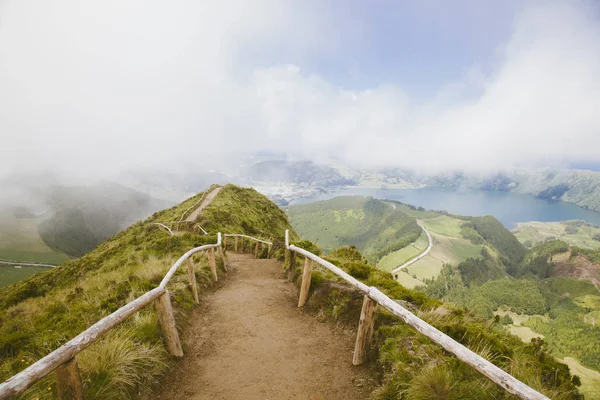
(63,360)
(373,297)
(257,248)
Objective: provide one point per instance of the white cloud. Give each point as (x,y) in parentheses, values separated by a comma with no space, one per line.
(94,87)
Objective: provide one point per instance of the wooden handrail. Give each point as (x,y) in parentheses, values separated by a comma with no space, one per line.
(248,237)
(495,374)
(20,382)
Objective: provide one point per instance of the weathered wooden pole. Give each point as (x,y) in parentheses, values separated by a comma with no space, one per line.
(192,279)
(221,254)
(305,286)
(268,251)
(365,331)
(286,263)
(68,381)
(292,267)
(256,249)
(212,264)
(235,248)
(167,323)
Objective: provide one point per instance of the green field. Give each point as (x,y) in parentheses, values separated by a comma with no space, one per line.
(444,225)
(408,281)
(427,267)
(20,241)
(399,257)
(449,247)
(9,274)
(590,379)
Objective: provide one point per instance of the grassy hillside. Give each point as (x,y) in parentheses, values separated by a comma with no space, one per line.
(375,227)
(574,233)
(20,240)
(39,314)
(74,221)
(411,366)
(84,217)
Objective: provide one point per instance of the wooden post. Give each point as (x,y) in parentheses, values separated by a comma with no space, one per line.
(192,279)
(365,331)
(257,249)
(236,245)
(212,264)
(268,251)
(243,244)
(68,381)
(286,263)
(292,267)
(305,282)
(221,254)
(167,323)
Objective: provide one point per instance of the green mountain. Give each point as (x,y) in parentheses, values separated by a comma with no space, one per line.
(40,313)
(375,227)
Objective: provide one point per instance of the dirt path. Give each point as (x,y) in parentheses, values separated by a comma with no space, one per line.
(207,200)
(248,340)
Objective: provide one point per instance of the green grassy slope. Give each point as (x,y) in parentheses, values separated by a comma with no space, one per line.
(411,366)
(373,226)
(20,240)
(39,314)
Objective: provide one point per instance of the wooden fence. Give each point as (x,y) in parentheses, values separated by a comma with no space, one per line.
(63,360)
(374,297)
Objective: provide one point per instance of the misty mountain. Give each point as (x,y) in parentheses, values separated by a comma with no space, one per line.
(72,220)
(296,172)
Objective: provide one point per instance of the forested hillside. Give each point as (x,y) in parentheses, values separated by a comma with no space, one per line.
(375,227)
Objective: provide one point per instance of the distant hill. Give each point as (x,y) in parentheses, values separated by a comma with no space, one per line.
(69,221)
(375,227)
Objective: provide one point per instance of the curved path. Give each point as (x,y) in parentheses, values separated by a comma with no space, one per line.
(423,254)
(249,340)
(207,200)
(28,264)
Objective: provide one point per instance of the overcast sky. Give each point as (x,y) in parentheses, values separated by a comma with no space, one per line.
(93,87)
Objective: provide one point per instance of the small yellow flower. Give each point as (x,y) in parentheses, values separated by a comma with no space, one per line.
(49,388)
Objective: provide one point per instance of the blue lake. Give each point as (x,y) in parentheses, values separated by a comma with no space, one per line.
(508,208)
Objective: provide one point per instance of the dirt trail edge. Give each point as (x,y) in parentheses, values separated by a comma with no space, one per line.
(248,340)
(207,200)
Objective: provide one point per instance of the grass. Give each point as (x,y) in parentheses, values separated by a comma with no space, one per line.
(415,213)
(41,313)
(20,241)
(408,281)
(524,333)
(444,225)
(9,274)
(375,227)
(412,366)
(453,250)
(399,257)
(590,379)
(426,268)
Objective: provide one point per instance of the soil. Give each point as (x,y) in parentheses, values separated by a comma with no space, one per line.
(248,340)
(580,268)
